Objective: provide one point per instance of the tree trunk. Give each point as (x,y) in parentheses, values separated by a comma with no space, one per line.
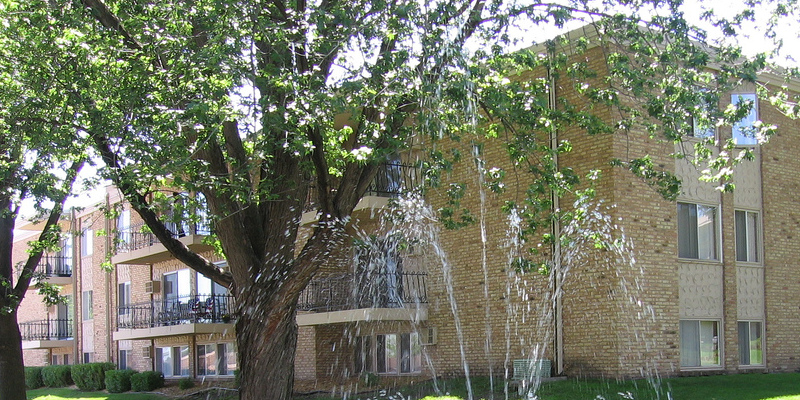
(266,333)
(12,372)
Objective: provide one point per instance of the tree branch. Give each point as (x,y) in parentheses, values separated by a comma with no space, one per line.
(55,215)
(140,204)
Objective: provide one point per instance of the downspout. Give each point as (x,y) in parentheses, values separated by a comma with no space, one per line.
(110,309)
(556,227)
(77,269)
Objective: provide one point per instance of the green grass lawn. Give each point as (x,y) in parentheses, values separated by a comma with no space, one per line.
(63,393)
(729,387)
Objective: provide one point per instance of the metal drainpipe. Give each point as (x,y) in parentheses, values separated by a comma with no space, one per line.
(77,269)
(109,307)
(558,323)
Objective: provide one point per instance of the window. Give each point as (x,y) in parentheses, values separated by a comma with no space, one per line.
(700,343)
(389,354)
(743,131)
(124,228)
(176,288)
(748,241)
(124,300)
(55,360)
(87,358)
(701,130)
(66,359)
(173,361)
(88,308)
(87,239)
(122,361)
(697,231)
(751,349)
(216,359)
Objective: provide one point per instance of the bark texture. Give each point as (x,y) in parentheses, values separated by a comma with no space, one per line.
(12,371)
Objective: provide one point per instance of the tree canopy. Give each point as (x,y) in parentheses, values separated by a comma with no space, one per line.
(265,107)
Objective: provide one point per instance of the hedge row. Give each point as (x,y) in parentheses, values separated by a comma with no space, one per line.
(93,377)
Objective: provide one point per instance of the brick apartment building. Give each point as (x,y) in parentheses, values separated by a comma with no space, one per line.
(714,288)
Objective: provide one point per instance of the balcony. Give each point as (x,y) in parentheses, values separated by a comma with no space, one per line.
(364,297)
(137,246)
(46,334)
(57,269)
(392,180)
(173,316)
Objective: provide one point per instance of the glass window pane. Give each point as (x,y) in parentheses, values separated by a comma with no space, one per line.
(201,359)
(740,219)
(416,353)
(756,347)
(752,237)
(405,353)
(706,233)
(380,353)
(184,361)
(230,357)
(709,343)
(690,345)
(166,361)
(743,132)
(392,353)
(744,343)
(687,230)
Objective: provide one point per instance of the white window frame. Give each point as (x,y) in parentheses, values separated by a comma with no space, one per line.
(87,306)
(124,227)
(222,355)
(87,242)
(700,342)
(749,342)
(695,237)
(123,359)
(752,248)
(383,354)
(742,131)
(699,131)
(174,357)
(123,300)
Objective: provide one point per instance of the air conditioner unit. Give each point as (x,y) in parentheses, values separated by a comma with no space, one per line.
(428,336)
(151,287)
(147,351)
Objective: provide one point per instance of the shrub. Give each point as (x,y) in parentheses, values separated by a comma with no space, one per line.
(33,377)
(186,383)
(119,380)
(57,376)
(91,377)
(237,378)
(147,381)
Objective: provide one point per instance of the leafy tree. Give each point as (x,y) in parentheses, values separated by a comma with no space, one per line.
(39,162)
(269,108)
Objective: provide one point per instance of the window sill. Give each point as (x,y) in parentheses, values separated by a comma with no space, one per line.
(753,367)
(699,261)
(749,264)
(703,368)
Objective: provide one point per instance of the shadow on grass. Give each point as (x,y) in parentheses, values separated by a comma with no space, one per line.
(725,387)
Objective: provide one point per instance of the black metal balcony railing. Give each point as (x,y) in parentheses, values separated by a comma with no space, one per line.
(55,265)
(202,309)
(133,237)
(394,179)
(52,329)
(351,291)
